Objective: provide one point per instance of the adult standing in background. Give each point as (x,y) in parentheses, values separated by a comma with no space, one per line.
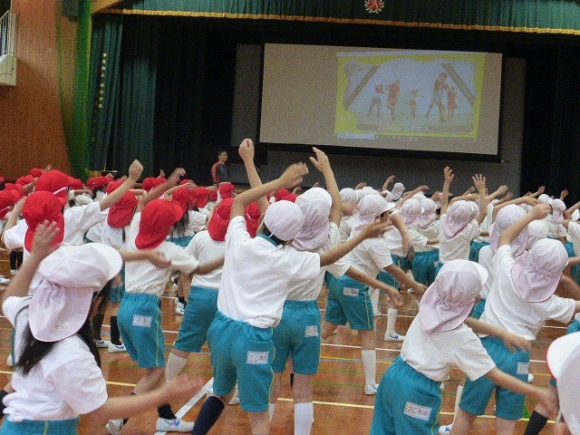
(220,171)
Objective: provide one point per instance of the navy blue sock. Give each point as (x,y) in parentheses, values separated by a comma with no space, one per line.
(535,424)
(165,412)
(3,393)
(208,415)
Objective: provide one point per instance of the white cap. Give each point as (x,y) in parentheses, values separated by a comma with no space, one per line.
(284,219)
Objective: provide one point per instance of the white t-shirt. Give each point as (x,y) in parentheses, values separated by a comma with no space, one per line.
(456,247)
(574,235)
(206,250)
(256,276)
(505,307)
(309,290)
(65,384)
(142,276)
(486,260)
(370,256)
(434,354)
(431,232)
(394,241)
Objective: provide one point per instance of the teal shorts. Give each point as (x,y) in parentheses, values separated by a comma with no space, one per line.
(474,250)
(298,336)
(199,313)
(476,394)
(407,402)
(424,266)
(33,427)
(478,309)
(243,353)
(140,325)
(349,301)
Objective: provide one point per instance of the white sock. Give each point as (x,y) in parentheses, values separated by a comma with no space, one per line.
(369,359)
(391,319)
(174,366)
(303,415)
(375,300)
(271,410)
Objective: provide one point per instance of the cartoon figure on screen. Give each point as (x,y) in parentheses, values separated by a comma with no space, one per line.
(451,101)
(439,87)
(377,100)
(413,102)
(393,97)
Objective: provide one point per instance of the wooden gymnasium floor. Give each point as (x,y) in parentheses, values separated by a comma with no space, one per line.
(340,404)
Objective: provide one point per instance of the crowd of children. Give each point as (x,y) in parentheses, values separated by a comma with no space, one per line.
(487,270)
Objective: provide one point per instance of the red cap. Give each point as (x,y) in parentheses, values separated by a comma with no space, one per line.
(252,217)
(220,219)
(121,213)
(201,196)
(36,172)
(227,190)
(157,218)
(41,206)
(183,197)
(98,182)
(112,186)
(23,181)
(56,182)
(7,199)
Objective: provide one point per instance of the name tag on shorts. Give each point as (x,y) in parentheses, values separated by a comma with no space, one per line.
(311,331)
(417,411)
(257,357)
(350,291)
(142,321)
(523,368)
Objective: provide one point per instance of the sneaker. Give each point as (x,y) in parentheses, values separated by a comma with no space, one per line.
(115,426)
(114,348)
(4,281)
(530,378)
(394,336)
(445,429)
(9,361)
(13,271)
(102,344)
(179,308)
(174,425)
(371,390)
(378,313)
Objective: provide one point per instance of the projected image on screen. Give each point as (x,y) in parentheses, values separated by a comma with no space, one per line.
(387,99)
(410,93)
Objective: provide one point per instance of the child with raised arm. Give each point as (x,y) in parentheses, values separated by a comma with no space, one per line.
(440,337)
(521,300)
(251,300)
(57,376)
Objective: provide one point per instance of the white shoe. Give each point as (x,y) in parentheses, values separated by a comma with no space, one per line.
(9,361)
(4,281)
(445,429)
(371,390)
(530,378)
(115,426)
(394,336)
(102,344)
(378,313)
(174,425)
(13,271)
(179,308)
(114,348)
